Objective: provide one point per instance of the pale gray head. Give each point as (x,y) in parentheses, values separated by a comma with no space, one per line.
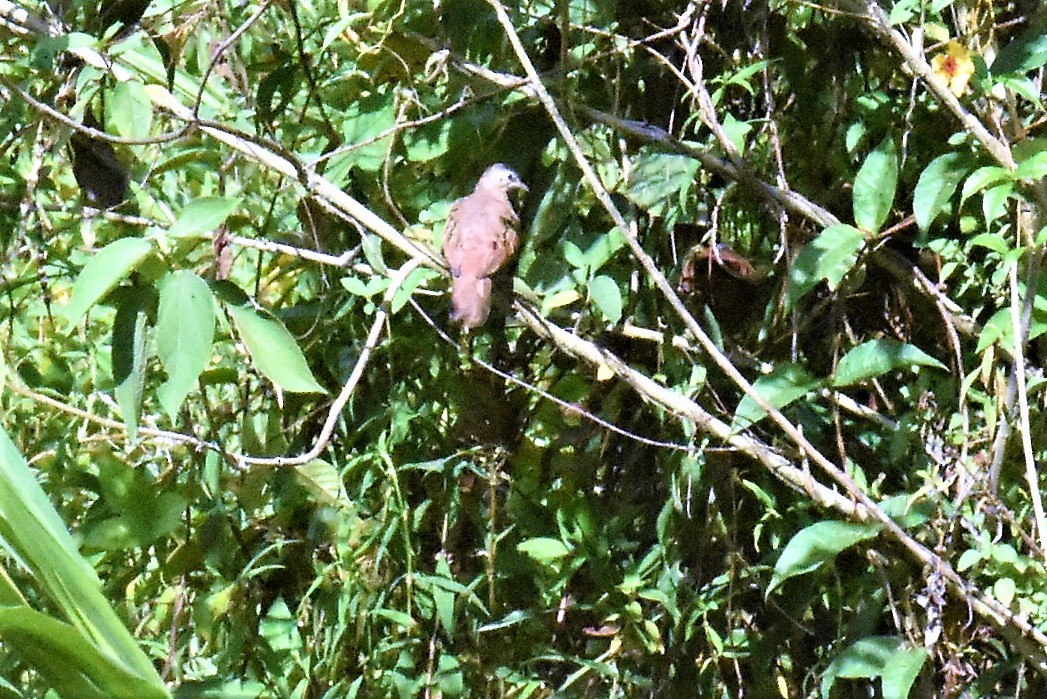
(501,177)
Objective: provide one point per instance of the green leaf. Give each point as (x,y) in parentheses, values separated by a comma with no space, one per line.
(608,298)
(981,178)
(936,186)
(323,480)
(35,536)
(1032,169)
(875,185)
(1026,53)
(110,266)
(415,279)
(543,549)
(782,386)
(994,202)
(877,357)
(428,142)
(886,657)
(185,326)
(69,662)
(816,545)
(273,350)
(830,256)
(130,353)
(658,179)
(363,121)
(203,215)
(1003,590)
(131,110)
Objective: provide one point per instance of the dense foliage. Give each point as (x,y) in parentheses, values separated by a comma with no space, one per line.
(759,410)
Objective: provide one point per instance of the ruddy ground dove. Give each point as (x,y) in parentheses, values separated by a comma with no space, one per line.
(481,235)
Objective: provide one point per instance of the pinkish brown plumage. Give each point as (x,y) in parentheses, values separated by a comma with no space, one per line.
(481,235)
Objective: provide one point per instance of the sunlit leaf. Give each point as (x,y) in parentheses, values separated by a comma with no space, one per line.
(877,357)
(273,350)
(109,266)
(829,257)
(786,383)
(817,545)
(936,186)
(184,333)
(605,294)
(203,215)
(874,186)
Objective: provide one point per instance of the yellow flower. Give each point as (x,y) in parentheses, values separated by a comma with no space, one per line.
(954,66)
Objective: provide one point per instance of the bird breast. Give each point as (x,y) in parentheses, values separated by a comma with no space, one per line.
(480,235)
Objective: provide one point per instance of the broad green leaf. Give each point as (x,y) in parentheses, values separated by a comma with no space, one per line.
(997,243)
(1003,590)
(323,480)
(130,353)
(936,186)
(830,256)
(903,11)
(1032,169)
(131,110)
(608,298)
(185,325)
(543,549)
(886,657)
(994,202)
(875,185)
(428,142)
(1026,53)
(817,545)
(782,386)
(877,357)
(363,122)
(658,179)
(736,131)
(203,215)
(110,266)
(273,350)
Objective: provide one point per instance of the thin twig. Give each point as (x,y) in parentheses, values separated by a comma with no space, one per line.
(335,411)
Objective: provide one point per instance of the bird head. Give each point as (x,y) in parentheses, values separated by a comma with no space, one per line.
(502,178)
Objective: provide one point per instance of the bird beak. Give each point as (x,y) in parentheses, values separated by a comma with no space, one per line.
(519,185)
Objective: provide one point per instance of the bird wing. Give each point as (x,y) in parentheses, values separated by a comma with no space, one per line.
(480,234)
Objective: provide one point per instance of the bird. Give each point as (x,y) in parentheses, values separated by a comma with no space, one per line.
(481,235)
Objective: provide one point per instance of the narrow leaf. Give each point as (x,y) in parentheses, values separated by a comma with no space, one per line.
(130,354)
(33,533)
(71,664)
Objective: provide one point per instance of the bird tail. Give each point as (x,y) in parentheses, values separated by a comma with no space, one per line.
(470,301)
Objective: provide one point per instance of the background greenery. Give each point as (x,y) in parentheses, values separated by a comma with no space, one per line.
(762,416)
